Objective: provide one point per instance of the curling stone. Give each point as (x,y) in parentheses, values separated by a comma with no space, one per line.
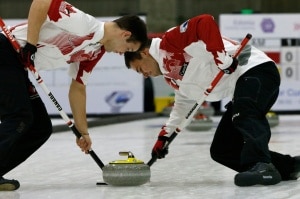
(272,118)
(129,172)
(206,109)
(200,122)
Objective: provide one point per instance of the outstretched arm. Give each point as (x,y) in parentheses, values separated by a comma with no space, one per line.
(77,98)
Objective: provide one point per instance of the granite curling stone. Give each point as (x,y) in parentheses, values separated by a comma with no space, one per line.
(200,122)
(129,172)
(206,109)
(272,118)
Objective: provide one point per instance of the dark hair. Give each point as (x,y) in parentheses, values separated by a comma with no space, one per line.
(131,56)
(136,26)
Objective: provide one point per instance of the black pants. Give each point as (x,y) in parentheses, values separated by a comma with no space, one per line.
(25,124)
(243,134)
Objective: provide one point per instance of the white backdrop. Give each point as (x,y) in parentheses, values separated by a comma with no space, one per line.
(112,88)
(279,36)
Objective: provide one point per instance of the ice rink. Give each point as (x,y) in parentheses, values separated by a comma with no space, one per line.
(59,170)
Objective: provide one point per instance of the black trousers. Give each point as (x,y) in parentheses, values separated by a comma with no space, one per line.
(243,134)
(25,124)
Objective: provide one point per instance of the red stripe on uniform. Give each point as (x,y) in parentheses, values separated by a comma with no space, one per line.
(53,11)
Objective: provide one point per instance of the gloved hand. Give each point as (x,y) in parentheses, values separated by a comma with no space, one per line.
(27,54)
(158,149)
(232,67)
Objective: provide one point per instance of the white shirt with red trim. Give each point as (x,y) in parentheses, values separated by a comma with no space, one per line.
(68,36)
(191,55)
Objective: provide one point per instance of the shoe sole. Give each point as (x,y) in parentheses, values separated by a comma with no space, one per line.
(250,180)
(294,176)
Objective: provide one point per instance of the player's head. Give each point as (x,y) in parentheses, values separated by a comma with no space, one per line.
(130,35)
(142,62)
(136,26)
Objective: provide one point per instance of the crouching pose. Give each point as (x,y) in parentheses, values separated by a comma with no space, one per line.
(189,56)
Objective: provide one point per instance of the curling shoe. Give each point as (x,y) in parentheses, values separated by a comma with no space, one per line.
(295,174)
(8,185)
(260,174)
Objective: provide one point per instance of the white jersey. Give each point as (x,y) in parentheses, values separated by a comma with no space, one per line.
(190,57)
(68,36)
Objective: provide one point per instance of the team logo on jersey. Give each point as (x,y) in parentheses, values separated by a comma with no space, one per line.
(184,26)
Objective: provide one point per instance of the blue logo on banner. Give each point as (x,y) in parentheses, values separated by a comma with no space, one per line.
(267,25)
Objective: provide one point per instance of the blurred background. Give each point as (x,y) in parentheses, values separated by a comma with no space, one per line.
(160,15)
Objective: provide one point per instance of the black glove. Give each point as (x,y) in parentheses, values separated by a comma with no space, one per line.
(158,150)
(27,54)
(232,67)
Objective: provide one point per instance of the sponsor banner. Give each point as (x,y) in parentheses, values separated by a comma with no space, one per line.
(260,25)
(278,35)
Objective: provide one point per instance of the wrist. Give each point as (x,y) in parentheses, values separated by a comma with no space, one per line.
(30,47)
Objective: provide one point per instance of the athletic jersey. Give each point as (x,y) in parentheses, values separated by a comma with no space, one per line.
(191,55)
(68,36)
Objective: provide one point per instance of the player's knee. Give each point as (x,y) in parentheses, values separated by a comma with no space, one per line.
(45,127)
(48,128)
(215,153)
(41,130)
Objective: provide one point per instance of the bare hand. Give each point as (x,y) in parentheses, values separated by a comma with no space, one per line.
(84,143)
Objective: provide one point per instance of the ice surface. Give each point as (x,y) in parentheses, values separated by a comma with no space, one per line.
(59,170)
